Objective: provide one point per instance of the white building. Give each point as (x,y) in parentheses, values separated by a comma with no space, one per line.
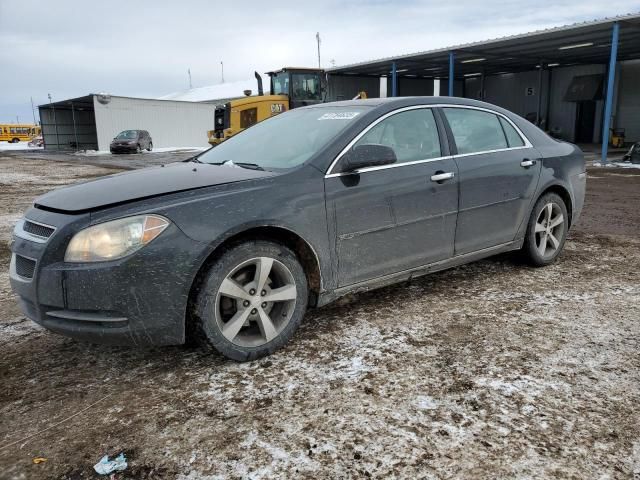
(91,122)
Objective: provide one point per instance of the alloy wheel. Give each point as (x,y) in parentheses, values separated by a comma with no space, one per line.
(255,302)
(549,230)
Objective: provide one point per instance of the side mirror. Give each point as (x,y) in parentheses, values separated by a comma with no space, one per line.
(363,156)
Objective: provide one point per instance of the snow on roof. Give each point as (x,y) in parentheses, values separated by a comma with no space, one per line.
(222,91)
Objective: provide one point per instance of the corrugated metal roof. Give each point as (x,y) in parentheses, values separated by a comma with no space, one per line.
(516,51)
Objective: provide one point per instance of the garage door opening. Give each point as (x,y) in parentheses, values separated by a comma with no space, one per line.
(69,125)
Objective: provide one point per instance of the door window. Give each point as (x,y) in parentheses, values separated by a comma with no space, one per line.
(412,135)
(475,130)
(513,138)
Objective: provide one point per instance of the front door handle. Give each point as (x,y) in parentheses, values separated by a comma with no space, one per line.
(441,176)
(526,163)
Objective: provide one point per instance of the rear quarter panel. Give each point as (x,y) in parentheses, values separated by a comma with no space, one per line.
(563,164)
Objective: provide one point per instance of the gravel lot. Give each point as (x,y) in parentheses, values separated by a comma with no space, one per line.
(491,370)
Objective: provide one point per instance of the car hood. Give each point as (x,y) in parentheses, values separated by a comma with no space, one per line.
(144,183)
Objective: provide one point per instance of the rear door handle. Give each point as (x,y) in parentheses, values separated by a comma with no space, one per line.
(441,177)
(526,163)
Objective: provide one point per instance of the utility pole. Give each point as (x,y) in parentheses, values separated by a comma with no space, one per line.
(33,110)
(222,66)
(55,123)
(17,119)
(190,84)
(318,40)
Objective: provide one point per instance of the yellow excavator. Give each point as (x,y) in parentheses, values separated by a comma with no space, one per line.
(289,88)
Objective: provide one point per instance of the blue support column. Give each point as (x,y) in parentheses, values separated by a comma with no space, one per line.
(452,59)
(611,80)
(394,80)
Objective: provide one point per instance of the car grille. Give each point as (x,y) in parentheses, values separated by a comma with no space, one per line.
(37,229)
(25,267)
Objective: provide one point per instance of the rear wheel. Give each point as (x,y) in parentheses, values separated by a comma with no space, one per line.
(15,140)
(546,231)
(150,147)
(252,300)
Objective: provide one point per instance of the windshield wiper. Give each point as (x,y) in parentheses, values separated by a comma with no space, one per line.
(250,166)
(231,163)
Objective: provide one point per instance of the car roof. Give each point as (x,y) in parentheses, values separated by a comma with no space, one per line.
(404,101)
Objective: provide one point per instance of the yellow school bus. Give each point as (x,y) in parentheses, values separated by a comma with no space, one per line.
(18,132)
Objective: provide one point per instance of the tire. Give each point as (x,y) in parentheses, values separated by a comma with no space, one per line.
(150,147)
(540,231)
(15,140)
(229,312)
(138,149)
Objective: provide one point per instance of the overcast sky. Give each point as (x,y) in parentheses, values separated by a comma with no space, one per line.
(70,48)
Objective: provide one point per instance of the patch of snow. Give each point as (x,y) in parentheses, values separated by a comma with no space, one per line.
(617,164)
(527,386)
(424,402)
(17,146)
(193,475)
(93,153)
(222,91)
(19,326)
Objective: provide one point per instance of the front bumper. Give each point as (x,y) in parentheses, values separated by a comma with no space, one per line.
(139,300)
(122,148)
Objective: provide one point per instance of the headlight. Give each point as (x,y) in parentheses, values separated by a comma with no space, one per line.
(115,239)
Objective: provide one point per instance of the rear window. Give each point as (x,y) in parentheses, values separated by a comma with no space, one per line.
(513,138)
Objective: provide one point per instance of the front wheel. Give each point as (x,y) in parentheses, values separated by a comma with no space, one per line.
(15,140)
(252,300)
(547,230)
(138,149)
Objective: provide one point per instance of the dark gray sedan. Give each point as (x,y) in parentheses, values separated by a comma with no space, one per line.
(234,245)
(131,141)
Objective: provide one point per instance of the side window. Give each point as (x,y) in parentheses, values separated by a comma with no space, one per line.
(513,138)
(475,130)
(412,135)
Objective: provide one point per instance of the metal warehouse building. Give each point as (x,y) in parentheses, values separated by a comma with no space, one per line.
(576,81)
(91,122)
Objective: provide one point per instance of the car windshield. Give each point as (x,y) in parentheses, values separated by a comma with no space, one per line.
(128,134)
(286,140)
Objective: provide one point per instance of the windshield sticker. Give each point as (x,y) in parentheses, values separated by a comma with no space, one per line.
(339,116)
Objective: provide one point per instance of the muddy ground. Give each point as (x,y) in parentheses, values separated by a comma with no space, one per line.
(491,370)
